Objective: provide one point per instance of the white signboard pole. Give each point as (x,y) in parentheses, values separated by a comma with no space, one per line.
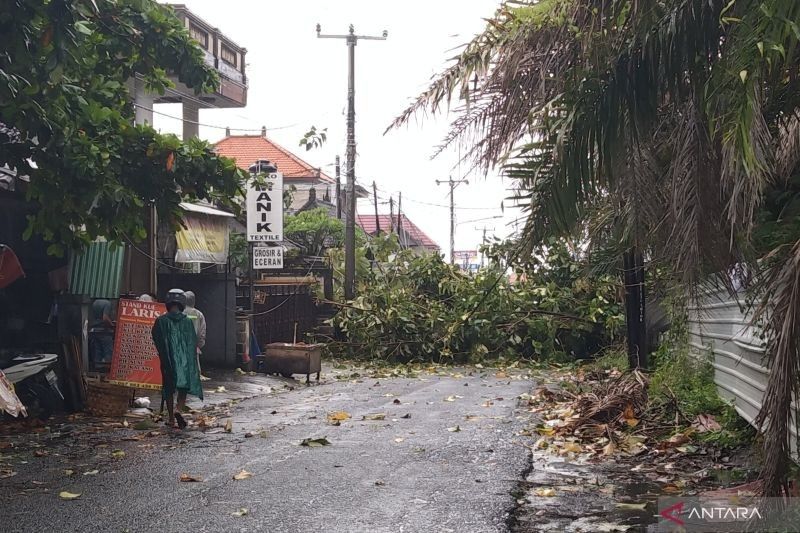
(265,209)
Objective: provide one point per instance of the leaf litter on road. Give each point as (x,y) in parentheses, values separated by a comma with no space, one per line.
(627,506)
(189,478)
(241,512)
(315,442)
(66,495)
(243,474)
(337,417)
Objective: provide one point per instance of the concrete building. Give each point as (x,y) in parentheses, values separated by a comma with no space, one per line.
(222,53)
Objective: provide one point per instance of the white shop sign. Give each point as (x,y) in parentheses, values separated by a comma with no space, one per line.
(265,209)
(267,257)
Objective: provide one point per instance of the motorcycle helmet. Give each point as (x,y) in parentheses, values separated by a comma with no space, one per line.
(176,296)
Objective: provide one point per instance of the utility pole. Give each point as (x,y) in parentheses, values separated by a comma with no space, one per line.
(338,189)
(375,199)
(391,214)
(351,39)
(484,229)
(400,220)
(452,184)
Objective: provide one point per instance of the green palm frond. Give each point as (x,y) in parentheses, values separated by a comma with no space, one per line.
(660,124)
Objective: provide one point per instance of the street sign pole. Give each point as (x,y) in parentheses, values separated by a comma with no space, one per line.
(264,207)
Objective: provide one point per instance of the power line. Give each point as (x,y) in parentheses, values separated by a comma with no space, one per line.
(421,202)
(203,104)
(140,106)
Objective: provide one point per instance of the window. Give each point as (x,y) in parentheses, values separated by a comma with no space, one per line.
(228,55)
(199,35)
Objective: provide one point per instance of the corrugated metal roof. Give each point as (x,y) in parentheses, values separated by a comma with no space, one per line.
(204,209)
(97,272)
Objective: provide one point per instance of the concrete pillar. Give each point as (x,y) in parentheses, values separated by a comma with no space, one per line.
(143,103)
(191,116)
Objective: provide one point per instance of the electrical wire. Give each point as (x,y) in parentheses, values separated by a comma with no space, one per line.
(204,104)
(250,314)
(443,206)
(140,106)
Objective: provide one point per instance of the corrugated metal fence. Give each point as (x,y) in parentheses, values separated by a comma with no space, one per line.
(719,326)
(97,271)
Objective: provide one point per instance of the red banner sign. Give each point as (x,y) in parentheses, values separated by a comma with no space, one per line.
(135,360)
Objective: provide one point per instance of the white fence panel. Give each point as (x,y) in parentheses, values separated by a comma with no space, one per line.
(719,326)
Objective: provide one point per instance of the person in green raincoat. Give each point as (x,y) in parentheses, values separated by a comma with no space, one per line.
(176,342)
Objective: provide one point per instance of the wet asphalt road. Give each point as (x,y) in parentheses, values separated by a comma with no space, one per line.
(399,474)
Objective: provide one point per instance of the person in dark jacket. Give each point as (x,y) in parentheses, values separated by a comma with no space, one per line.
(176,342)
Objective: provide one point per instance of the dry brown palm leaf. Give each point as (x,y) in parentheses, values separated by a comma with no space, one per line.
(612,402)
(779,312)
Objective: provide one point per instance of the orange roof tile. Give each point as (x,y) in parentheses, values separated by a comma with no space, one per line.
(367,223)
(247,149)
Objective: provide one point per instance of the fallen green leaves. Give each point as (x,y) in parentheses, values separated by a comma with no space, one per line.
(145,424)
(66,495)
(315,442)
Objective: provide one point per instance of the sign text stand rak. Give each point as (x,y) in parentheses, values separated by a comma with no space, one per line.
(135,361)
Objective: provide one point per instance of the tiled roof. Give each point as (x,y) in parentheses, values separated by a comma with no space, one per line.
(246,149)
(367,223)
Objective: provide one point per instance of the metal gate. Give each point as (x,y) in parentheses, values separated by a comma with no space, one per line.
(283,312)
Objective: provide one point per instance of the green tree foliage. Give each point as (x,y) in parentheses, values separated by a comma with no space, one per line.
(314,230)
(660,125)
(421,308)
(314,138)
(65,67)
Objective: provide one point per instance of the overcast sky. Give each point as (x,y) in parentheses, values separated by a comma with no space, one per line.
(297,80)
